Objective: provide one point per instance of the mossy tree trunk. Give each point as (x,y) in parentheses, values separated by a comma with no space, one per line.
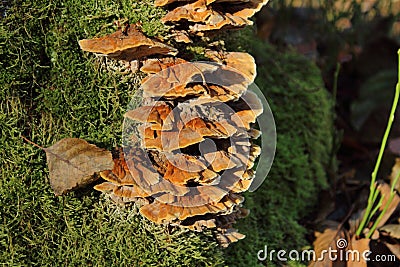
(50,90)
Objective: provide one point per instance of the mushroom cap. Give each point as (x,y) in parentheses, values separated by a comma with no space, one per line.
(130,46)
(105,187)
(214,15)
(226,79)
(147,177)
(129,192)
(120,174)
(242,62)
(193,132)
(156,115)
(181,36)
(167,2)
(181,179)
(219,221)
(163,213)
(198,224)
(165,82)
(155,65)
(229,236)
(180,169)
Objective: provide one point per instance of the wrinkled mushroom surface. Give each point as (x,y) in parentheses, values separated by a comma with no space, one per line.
(127,46)
(211,15)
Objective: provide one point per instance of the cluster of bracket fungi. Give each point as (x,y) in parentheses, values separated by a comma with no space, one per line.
(189,152)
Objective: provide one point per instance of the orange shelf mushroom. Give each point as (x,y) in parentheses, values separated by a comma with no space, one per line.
(209,15)
(193,153)
(126,45)
(189,149)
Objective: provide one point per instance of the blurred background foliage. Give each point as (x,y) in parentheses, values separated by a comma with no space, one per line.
(358,36)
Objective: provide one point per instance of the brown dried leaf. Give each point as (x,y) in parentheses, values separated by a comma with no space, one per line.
(325,240)
(393,175)
(392,230)
(73,162)
(384,189)
(394,248)
(361,246)
(128,46)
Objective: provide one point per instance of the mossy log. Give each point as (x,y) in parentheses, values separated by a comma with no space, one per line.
(50,89)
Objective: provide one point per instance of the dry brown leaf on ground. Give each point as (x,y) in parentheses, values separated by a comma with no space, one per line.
(360,246)
(394,248)
(73,162)
(393,175)
(392,230)
(384,189)
(327,240)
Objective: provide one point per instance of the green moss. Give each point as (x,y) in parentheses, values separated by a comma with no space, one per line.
(50,90)
(302,110)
